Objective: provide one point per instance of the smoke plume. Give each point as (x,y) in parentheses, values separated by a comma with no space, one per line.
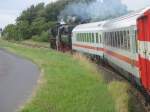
(96,10)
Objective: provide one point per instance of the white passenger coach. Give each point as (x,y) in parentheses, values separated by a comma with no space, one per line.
(119,43)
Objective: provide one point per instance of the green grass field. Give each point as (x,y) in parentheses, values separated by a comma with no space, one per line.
(70,84)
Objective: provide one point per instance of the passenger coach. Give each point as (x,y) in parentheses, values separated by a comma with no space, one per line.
(88,38)
(123,42)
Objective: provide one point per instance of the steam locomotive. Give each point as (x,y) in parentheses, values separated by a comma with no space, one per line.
(124,43)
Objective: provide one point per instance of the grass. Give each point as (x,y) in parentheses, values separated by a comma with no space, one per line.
(121,97)
(42,44)
(70,84)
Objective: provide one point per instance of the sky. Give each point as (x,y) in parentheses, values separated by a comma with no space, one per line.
(11,9)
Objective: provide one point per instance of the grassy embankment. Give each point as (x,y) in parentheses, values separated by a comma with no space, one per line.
(70,84)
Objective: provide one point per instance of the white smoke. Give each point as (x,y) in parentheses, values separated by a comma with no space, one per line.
(96,10)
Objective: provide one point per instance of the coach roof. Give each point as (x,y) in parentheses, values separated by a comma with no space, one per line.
(96,26)
(125,21)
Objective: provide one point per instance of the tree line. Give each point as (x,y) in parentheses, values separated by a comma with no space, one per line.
(36,21)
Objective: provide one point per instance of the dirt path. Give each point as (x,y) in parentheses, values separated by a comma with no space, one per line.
(18,77)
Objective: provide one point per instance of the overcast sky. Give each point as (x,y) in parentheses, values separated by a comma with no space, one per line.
(10,9)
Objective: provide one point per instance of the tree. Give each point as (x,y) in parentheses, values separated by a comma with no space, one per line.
(23,30)
(10,32)
(38,25)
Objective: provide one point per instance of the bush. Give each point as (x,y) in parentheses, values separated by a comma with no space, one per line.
(35,38)
(42,38)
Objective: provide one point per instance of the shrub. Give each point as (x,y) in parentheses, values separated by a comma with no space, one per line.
(43,37)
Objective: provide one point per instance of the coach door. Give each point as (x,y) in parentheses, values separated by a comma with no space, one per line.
(144,50)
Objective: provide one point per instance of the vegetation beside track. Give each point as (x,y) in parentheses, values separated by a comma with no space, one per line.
(70,84)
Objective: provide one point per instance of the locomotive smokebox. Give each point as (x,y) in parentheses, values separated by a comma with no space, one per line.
(61,36)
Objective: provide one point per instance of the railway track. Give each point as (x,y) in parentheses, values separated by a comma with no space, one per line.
(138,98)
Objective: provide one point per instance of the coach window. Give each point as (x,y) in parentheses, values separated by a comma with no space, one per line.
(115,36)
(81,37)
(107,41)
(113,39)
(121,39)
(107,35)
(118,39)
(84,37)
(96,37)
(125,40)
(110,38)
(120,45)
(88,37)
(78,37)
(100,40)
(92,37)
(106,38)
(136,42)
(128,35)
